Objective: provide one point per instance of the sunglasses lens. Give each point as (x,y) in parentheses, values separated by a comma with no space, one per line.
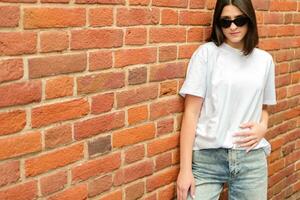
(241,21)
(225,23)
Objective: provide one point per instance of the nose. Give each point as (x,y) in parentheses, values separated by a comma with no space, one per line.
(233,26)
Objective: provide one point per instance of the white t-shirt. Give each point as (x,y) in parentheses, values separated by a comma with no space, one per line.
(234,88)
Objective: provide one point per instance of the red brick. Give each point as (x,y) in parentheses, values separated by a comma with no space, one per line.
(195,18)
(54,41)
(11,69)
(166,107)
(168,88)
(151,197)
(175,156)
(12,122)
(100,82)
(261,5)
(17,43)
(134,191)
(53,17)
(78,192)
(99,145)
(9,172)
(19,1)
(20,145)
(137,16)
(162,144)
(273,18)
(139,2)
(210,4)
(48,114)
(96,167)
(137,171)
(100,60)
(53,183)
(162,161)
(55,159)
(9,16)
(138,95)
(197,3)
(100,185)
(167,71)
(101,16)
(24,191)
(165,126)
(89,39)
(97,125)
(134,153)
(167,193)
(115,195)
(292,157)
(57,136)
(169,17)
(137,75)
(59,87)
(102,103)
(174,3)
(186,51)
(133,135)
(101,1)
(137,114)
(161,179)
(167,35)
(283,6)
(293,90)
(167,53)
(135,56)
(54,65)
(276,167)
(136,36)
(54,1)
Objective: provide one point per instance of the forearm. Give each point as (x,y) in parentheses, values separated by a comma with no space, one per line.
(264,117)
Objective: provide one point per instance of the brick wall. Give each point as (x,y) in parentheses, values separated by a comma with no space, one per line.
(88,95)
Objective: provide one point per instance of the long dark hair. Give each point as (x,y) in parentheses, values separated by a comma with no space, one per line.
(251,38)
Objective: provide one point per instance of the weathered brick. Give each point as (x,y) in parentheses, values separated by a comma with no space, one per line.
(133,135)
(11,122)
(169,17)
(100,185)
(115,195)
(166,107)
(165,126)
(77,192)
(89,39)
(54,65)
(101,1)
(53,17)
(137,75)
(167,53)
(20,145)
(138,95)
(100,60)
(49,161)
(167,71)
(48,114)
(195,18)
(53,183)
(101,17)
(54,41)
(23,191)
(134,153)
(261,5)
(20,93)
(162,161)
(162,145)
(161,179)
(135,56)
(197,3)
(186,51)
(99,125)
(137,16)
(17,43)
(59,87)
(9,172)
(168,88)
(9,16)
(167,193)
(175,3)
(58,136)
(11,69)
(137,114)
(96,167)
(139,2)
(136,36)
(283,6)
(100,82)
(102,103)
(134,191)
(167,35)
(99,145)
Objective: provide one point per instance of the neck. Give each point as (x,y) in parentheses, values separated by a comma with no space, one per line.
(239,45)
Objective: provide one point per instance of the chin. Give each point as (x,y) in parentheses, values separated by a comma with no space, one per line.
(235,40)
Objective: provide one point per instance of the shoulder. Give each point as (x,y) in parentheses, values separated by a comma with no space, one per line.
(205,49)
(262,54)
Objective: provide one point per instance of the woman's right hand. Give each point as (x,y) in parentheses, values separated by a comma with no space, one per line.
(185,182)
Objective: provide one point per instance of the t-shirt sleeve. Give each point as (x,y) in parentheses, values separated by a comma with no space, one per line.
(195,81)
(269,90)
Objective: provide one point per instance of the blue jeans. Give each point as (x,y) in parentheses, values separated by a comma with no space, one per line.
(245,173)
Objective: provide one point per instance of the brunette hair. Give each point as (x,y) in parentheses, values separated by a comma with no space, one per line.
(251,38)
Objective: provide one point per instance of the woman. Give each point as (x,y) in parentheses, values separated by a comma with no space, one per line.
(229,82)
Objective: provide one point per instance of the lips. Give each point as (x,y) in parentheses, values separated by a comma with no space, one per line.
(235,33)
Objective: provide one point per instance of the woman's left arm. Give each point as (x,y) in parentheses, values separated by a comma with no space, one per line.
(251,138)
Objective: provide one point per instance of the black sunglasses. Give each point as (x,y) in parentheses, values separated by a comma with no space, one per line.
(240,21)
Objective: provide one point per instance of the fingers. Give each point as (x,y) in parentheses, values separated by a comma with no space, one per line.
(192,190)
(244,140)
(181,193)
(254,145)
